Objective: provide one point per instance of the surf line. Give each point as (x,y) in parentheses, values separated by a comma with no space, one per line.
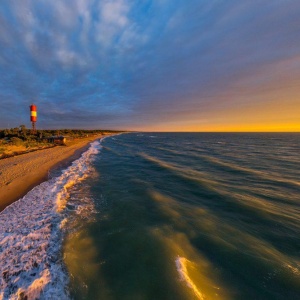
(181,266)
(31,236)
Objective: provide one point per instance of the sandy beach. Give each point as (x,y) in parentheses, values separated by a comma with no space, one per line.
(19,174)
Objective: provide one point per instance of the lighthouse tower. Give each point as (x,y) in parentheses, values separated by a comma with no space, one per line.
(33,117)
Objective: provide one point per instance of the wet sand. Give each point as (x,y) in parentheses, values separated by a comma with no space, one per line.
(19,174)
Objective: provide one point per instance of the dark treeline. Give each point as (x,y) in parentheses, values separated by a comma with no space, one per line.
(24,133)
(18,135)
(25,140)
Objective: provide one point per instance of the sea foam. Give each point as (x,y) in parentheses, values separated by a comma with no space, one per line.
(181,266)
(30,237)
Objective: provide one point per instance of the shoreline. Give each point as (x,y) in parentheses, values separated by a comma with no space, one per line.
(20,174)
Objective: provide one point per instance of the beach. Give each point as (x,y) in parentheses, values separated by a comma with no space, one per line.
(31,229)
(19,174)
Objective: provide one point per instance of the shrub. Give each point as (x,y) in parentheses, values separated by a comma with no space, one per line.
(16,141)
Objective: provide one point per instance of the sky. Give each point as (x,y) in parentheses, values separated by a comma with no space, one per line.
(163,65)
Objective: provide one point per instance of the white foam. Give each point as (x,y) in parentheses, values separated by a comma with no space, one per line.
(30,237)
(181,265)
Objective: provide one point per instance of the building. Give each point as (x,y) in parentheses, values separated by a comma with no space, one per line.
(57,140)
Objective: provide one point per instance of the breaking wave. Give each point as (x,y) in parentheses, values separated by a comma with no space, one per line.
(31,235)
(181,266)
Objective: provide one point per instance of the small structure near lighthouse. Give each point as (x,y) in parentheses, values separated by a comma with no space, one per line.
(33,117)
(57,140)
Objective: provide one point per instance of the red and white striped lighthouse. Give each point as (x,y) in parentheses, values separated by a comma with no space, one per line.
(33,117)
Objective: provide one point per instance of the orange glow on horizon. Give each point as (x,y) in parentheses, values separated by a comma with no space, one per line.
(231,128)
(276,112)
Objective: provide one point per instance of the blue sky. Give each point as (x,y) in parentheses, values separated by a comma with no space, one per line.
(150,65)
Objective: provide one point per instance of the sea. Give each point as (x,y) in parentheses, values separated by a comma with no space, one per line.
(161,216)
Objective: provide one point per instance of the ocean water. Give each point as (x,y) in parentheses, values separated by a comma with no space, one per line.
(161,216)
(189,216)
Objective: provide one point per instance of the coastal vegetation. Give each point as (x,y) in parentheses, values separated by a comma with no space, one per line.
(19,140)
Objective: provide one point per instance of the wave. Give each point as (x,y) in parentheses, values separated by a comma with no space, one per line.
(176,152)
(269,176)
(218,185)
(199,177)
(181,266)
(257,206)
(31,235)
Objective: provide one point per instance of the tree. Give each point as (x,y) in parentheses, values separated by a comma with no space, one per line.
(7,132)
(23,131)
(16,131)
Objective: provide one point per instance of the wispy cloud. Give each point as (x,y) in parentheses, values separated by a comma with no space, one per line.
(135,64)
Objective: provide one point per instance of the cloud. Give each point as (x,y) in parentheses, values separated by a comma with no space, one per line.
(140,63)
(111,21)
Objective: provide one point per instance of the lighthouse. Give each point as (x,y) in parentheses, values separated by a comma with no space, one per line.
(33,117)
